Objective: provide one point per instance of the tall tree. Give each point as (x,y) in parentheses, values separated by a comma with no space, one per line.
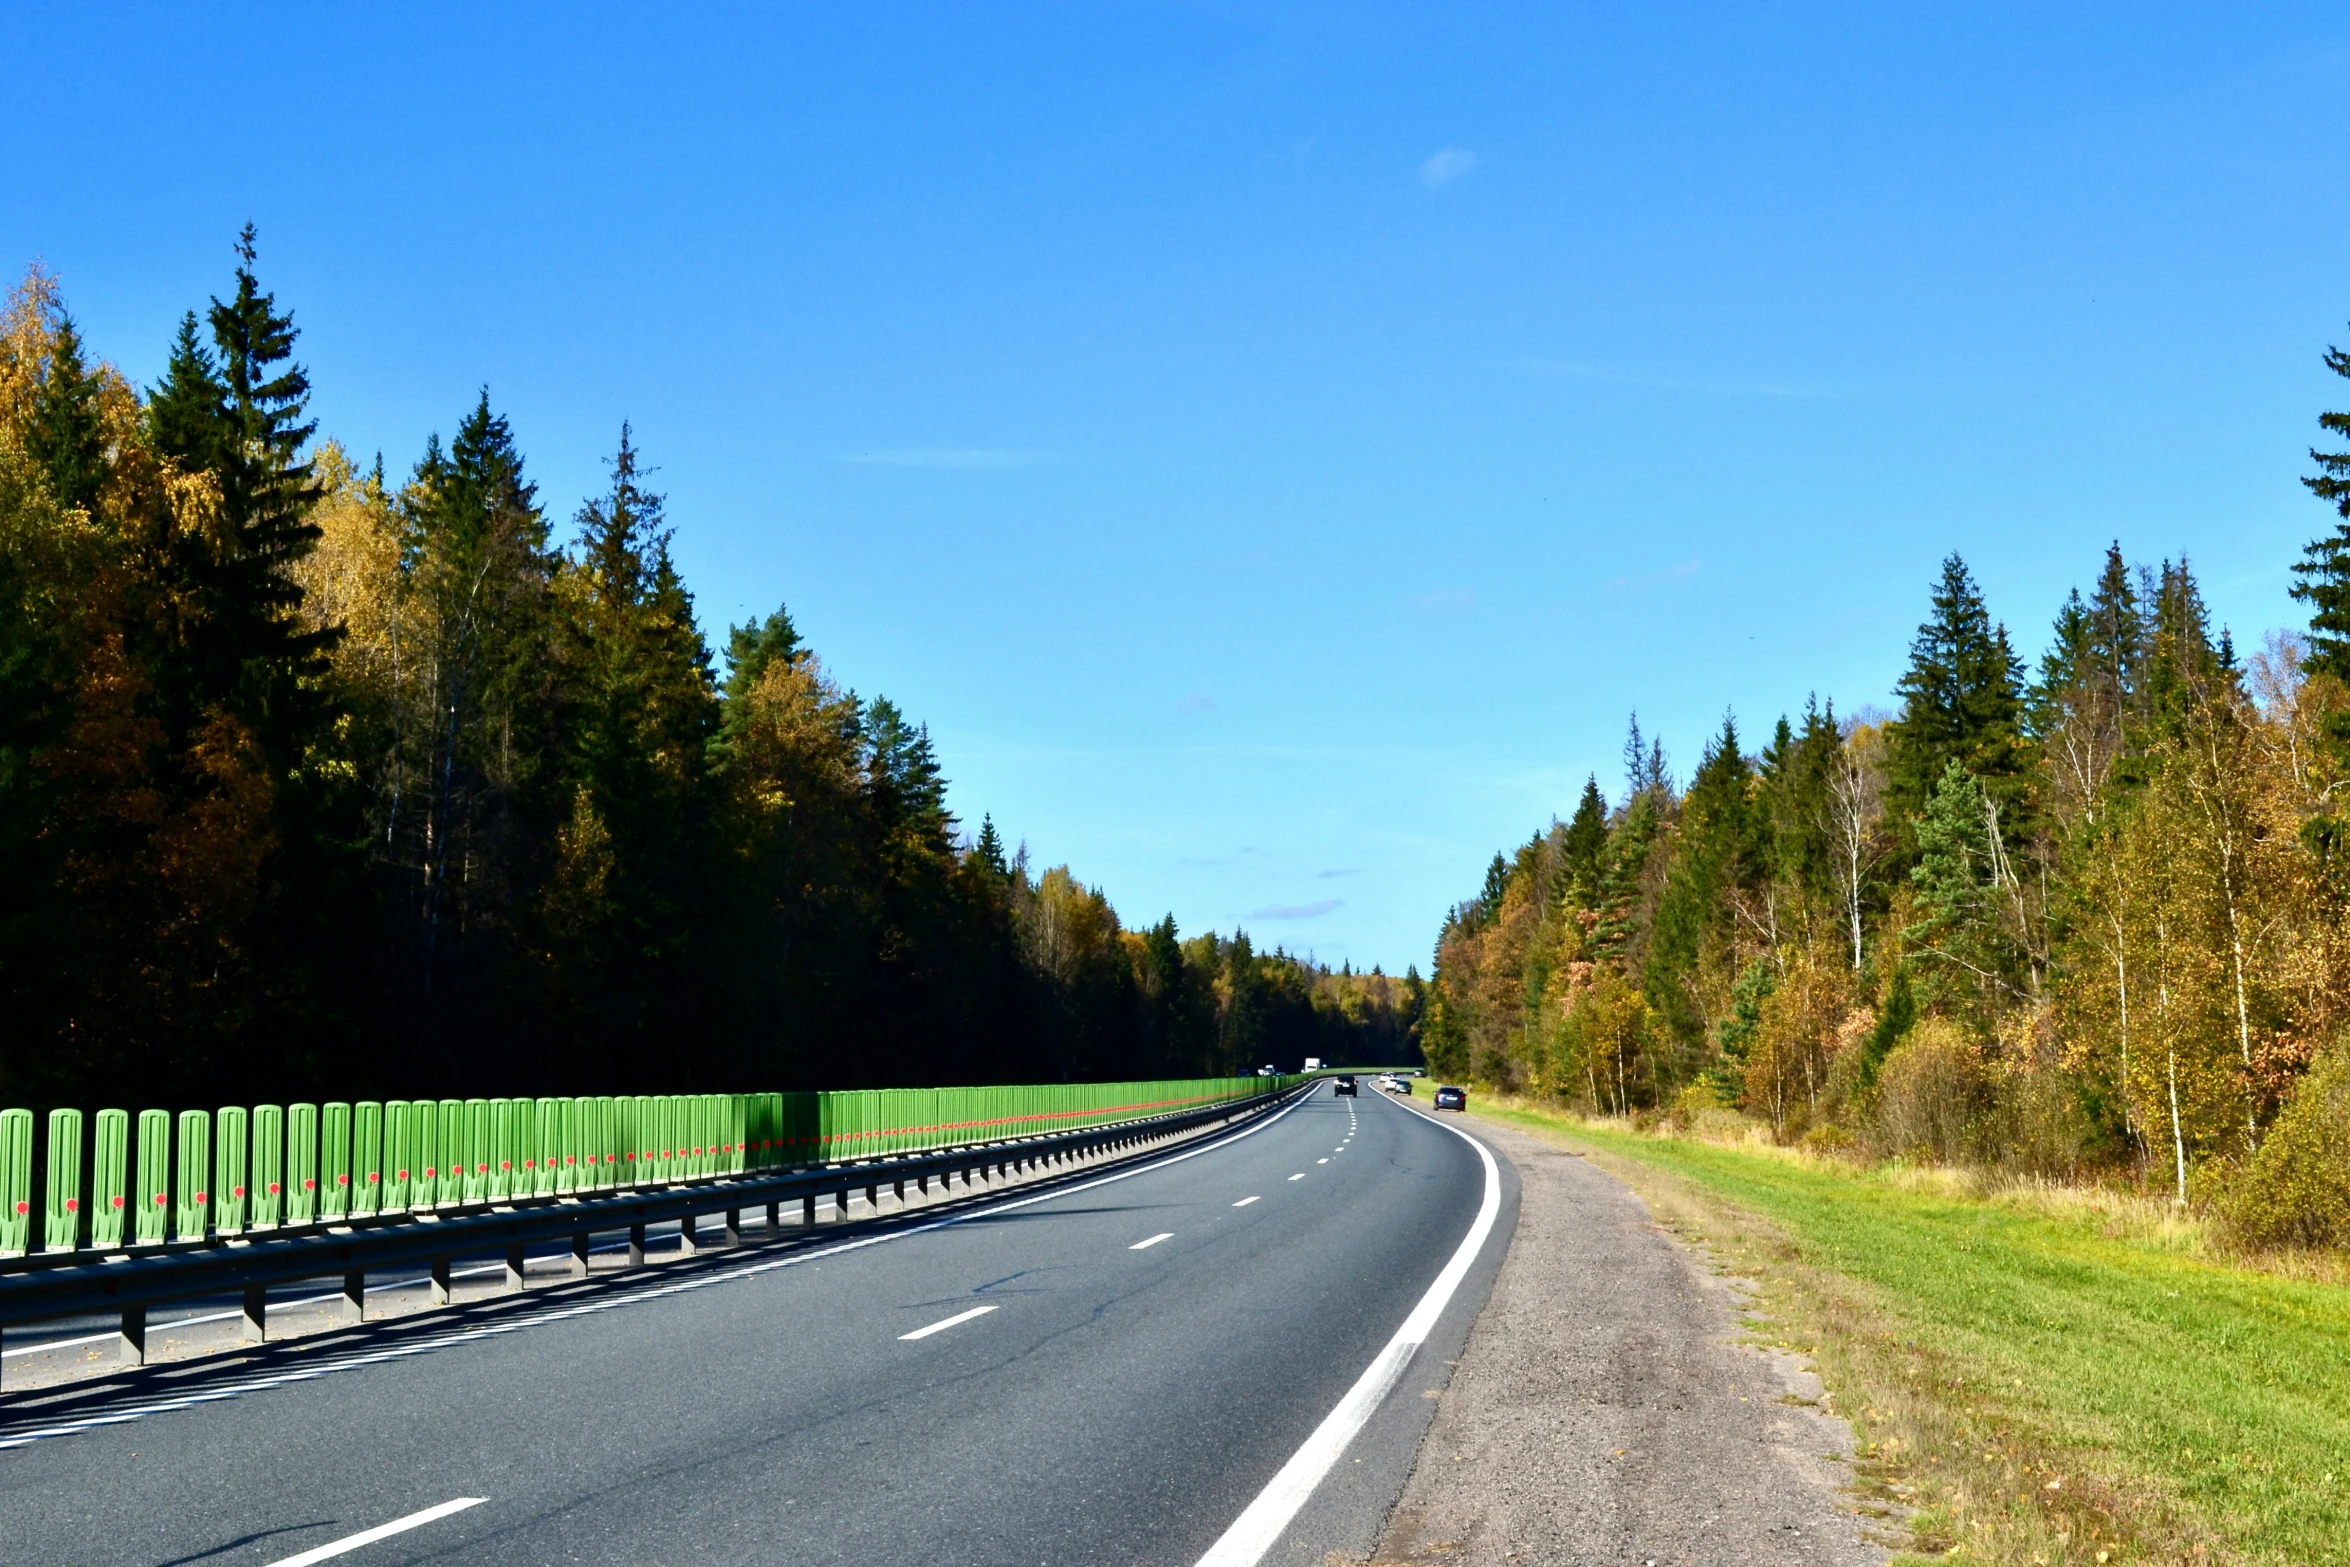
(1962,701)
(2324,567)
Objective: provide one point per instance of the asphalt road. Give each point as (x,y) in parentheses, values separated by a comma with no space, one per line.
(1115,1370)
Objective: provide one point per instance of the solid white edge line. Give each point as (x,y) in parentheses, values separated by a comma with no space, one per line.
(941,1327)
(1254,1532)
(1163,1235)
(382,1531)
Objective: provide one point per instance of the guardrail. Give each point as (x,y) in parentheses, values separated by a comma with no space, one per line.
(284,1193)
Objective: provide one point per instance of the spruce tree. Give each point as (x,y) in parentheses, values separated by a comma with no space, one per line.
(1585,839)
(187,413)
(66,436)
(752,646)
(1962,701)
(2324,567)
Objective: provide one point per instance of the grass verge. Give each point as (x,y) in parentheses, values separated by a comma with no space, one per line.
(2036,1382)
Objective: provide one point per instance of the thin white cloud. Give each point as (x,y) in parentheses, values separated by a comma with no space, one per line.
(1681,573)
(1447,166)
(1196,702)
(1334,875)
(1445,601)
(1580,371)
(947,457)
(1296,911)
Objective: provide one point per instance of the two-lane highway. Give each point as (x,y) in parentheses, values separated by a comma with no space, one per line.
(1107,1372)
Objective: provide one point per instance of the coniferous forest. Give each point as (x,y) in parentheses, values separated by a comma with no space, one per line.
(2089,919)
(316,778)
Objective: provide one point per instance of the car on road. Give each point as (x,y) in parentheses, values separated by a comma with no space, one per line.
(1451,1098)
(1403,1085)
(1343,1084)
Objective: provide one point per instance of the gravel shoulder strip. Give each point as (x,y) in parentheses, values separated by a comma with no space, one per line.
(1606,1409)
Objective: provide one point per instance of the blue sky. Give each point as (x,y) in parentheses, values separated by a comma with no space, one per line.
(1274,447)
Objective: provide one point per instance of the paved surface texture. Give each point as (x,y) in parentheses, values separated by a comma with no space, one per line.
(1604,1412)
(1111,1403)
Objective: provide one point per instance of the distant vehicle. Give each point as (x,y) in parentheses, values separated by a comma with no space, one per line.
(1343,1085)
(1313,1063)
(1451,1098)
(1403,1085)
(1266,1071)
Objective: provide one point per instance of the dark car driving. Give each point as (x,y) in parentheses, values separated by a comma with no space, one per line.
(1343,1084)
(1451,1098)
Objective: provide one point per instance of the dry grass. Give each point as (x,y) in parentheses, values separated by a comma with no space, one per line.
(2036,1373)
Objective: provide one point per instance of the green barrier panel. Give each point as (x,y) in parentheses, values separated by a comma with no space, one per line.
(269,1166)
(193,1215)
(16,1181)
(110,1143)
(548,1117)
(399,1148)
(367,1158)
(587,1141)
(694,1137)
(712,1134)
(739,1111)
(153,1194)
(232,1136)
(477,1150)
(334,1161)
(449,1187)
(301,1164)
(596,1139)
(672,1112)
(498,1179)
(424,1154)
(61,1220)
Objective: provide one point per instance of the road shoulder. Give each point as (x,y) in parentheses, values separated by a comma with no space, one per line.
(1607,1408)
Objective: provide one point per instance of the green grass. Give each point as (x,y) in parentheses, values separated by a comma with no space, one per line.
(2186,1409)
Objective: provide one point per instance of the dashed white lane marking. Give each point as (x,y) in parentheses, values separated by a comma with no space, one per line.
(941,1327)
(382,1531)
(1301,1175)
(1319,1161)
(1244,1202)
(1256,1530)
(1163,1235)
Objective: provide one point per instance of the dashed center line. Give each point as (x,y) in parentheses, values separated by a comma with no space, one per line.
(941,1327)
(1244,1202)
(1163,1235)
(382,1531)
(1301,1175)
(1317,1161)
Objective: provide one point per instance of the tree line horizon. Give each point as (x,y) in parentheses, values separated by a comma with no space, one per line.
(317,780)
(2089,920)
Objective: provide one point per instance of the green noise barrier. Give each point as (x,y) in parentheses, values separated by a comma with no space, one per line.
(206,1175)
(16,1181)
(61,1220)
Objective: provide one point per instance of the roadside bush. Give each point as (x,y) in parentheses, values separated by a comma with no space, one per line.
(1930,1093)
(2296,1190)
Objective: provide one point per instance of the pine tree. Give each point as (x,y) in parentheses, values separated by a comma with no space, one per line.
(2324,567)
(187,413)
(66,437)
(1585,839)
(990,851)
(752,646)
(1962,701)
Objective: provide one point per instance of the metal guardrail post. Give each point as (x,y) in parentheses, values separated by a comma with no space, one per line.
(355,1295)
(440,1281)
(688,1240)
(256,1323)
(774,1220)
(134,1335)
(734,1227)
(808,1209)
(636,1245)
(514,1267)
(579,1255)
